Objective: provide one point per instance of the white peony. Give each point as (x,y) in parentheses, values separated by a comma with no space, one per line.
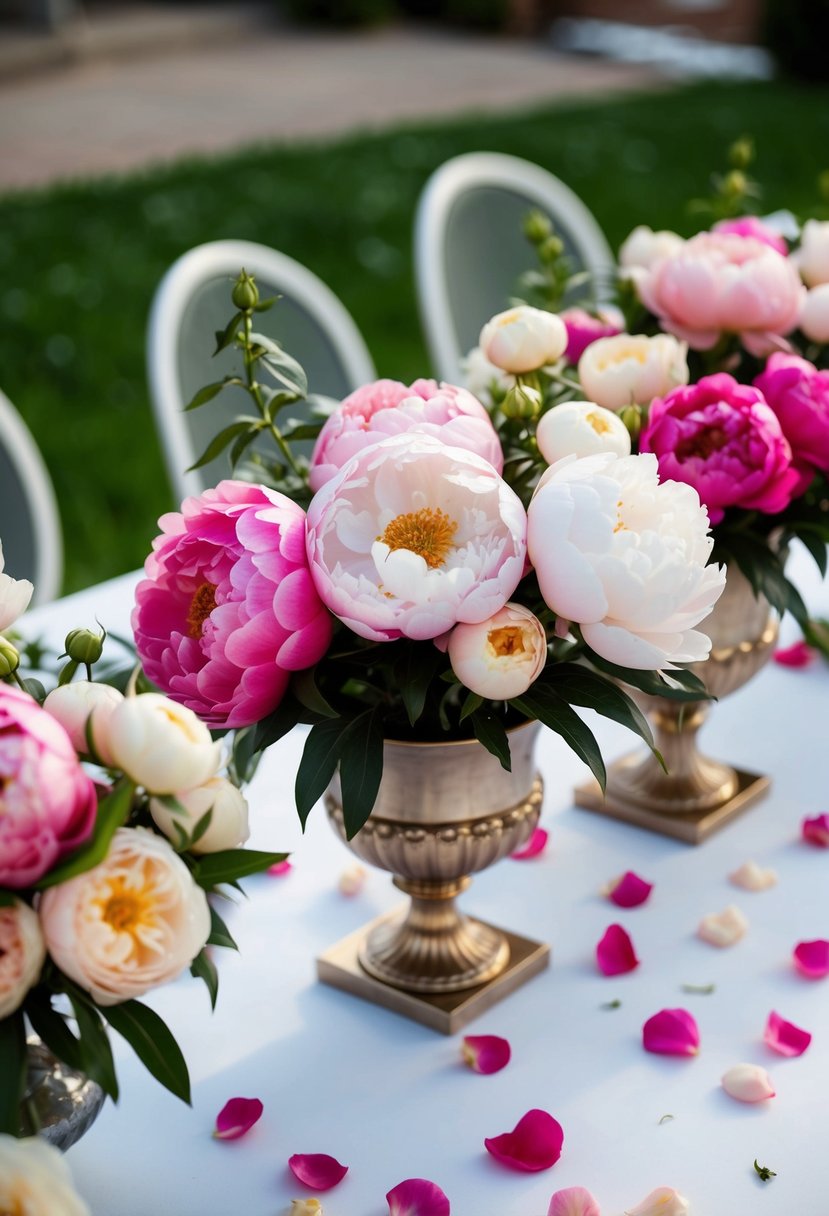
(631,369)
(624,557)
(481,375)
(523,339)
(15,594)
(812,258)
(643,247)
(35,1180)
(228,823)
(814,313)
(71,705)
(499,658)
(22,952)
(161,745)
(581,428)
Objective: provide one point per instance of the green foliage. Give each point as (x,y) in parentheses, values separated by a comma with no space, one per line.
(340,12)
(153,1043)
(797,32)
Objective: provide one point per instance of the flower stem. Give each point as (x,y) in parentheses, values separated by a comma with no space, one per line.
(254,389)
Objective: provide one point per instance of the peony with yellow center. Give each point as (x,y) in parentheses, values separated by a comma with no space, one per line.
(159,744)
(631,369)
(501,657)
(581,428)
(35,1180)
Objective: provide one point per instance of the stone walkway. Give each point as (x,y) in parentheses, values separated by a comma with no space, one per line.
(152,92)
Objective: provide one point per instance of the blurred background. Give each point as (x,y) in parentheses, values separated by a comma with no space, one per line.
(131,132)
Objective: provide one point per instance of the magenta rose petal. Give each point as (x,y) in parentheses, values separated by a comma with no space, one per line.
(534,1143)
(614,953)
(280,869)
(486,1053)
(784,1037)
(317,1170)
(417,1197)
(799,654)
(237,1117)
(815,830)
(534,847)
(573,1201)
(812,959)
(629,891)
(671,1032)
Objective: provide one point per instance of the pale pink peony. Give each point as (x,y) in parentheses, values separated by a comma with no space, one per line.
(814,313)
(724,283)
(751,226)
(812,258)
(799,395)
(723,439)
(22,952)
(47,802)
(228,609)
(412,537)
(583,328)
(384,408)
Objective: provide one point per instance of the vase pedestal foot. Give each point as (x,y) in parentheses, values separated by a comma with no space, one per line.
(446,1012)
(692,826)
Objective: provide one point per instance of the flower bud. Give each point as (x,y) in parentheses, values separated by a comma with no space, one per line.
(580,428)
(521,402)
(735,184)
(72,705)
(84,646)
(245,294)
(631,415)
(552,249)
(161,745)
(537,227)
(741,152)
(523,339)
(501,657)
(9,657)
(228,827)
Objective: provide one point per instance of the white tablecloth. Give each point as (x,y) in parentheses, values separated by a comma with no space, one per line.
(391,1099)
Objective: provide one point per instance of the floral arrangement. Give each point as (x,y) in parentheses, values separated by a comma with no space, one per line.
(116,825)
(426,573)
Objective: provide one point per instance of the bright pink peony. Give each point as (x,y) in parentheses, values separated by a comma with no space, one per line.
(47,801)
(721,282)
(388,407)
(583,328)
(799,395)
(751,226)
(228,609)
(724,440)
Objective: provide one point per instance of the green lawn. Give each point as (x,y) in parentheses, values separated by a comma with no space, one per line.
(79,264)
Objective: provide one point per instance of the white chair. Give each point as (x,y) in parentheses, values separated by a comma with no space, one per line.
(470,249)
(192,301)
(29,522)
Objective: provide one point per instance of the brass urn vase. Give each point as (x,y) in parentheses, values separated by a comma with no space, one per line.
(444,811)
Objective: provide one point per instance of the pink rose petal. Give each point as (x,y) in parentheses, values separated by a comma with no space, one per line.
(629,891)
(671,1032)
(784,1037)
(317,1170)
(534,847)
(615,954)
(280,869)
(812,958)
(237,1117)
(486,1053)
(417,1197)
(573,1201)
(534,1143)
(816,831)
(800,654)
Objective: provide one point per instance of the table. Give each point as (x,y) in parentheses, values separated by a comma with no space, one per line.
(391,1098)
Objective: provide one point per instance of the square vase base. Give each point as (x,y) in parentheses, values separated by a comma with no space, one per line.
(340,967)
(692,828)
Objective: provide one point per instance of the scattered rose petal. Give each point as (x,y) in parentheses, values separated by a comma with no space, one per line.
(748,1083)
(752,877)
(723,928)
(812,958)
(615,954)
(534,847)
(352,881)
(784,1037)
(799,654)
(280,869)
(628,891)
(573,1201)
(317,1170)
(306,1207)
(486,1053)
(237,1117)
(534,1143)
(417,1197)
(664,1201)
(671,1032)
(816,831)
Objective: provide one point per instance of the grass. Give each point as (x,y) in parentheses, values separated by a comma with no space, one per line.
(79,263)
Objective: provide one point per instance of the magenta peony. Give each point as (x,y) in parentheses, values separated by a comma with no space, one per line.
(47,801)
(751,226)
(799,395)
(583,328)
(387,407)
(228,609)
(724,440)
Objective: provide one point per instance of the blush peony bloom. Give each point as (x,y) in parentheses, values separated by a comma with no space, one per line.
(412,537)
(580,428)
(751,226)
(812,258)
(721,282)
(501,657)
(228,826)
(22,952)
(584,328)
(47,802)
(387,407)
(35,1180)
(814,313)
(632,369)
(130,923)
(799,395)
(15,594)
(72,704)
(723,439)
(624,557)
(523,339)
(228,609)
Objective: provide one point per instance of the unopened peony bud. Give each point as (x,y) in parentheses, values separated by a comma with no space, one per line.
(741,153)
(245,294)
(9,657)
(537,227)
(580,428)
(84,646)
(735,184)
(72,705)
(523,339)
(499,658)
(521,402)
(161,745)
(228,827)
(631,416)
(552,248)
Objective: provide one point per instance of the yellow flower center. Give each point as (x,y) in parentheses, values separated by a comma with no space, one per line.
(126,910)
(201,605)
(600,425)
(621,526)
(428,532)
(507,640)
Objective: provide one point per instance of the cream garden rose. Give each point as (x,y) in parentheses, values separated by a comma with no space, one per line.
(581,428)
(499,658)
(132,922)
(523,339)
(161,745)
(631,369)
(22,952)
(35,1180)
(228,823)
(72,705)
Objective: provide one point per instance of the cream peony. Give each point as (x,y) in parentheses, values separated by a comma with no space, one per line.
(35,1180)
(72,704)
(161,745)
(15,594)
(132,922)
(812,258)
(814,313)
(643,247)
(499,658)
(523,339)
(581,428)
(631,369)
(624,557)
(481,376)
(22,952)
(228,824)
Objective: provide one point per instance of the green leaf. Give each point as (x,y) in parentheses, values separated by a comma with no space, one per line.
(304,687)
(52,1028)
(489,730)
(579,686)
(281,722)
(96,1050)
(152,1042)
(12,1070)
(209,392)
(816,546)
(244,754)
(265,305)
(113,811)
(320,757)
(682,685)
(225,336)
(220,935)
(549,708)
(241,444)
(286,370)
(361,767)
(303,430)
(232,864)
(473,701)
(7,899)
(203,968)
(201,827)
(414,671)
(219,442)
(35,689)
